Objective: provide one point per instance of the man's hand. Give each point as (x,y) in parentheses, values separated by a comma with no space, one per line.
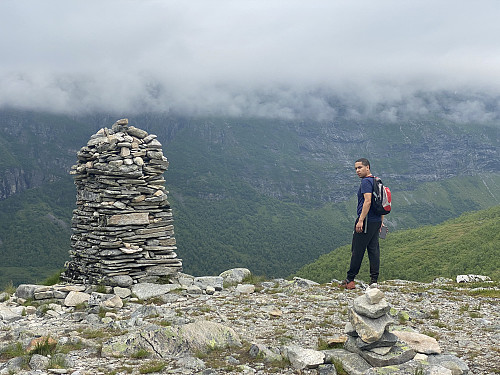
(359,226)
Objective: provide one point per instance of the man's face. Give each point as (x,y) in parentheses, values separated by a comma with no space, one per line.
(361,170)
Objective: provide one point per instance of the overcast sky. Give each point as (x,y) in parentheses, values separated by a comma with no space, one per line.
(257,57)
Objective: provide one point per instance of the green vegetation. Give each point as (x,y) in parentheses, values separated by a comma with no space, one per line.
(35,233)
(467,244)
(152,366)
(269,195)
(46,347)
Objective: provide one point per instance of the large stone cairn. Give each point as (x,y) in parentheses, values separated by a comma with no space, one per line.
(368,331)
(123,226)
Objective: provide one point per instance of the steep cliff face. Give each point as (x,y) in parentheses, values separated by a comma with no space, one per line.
(14,180)
(35,149)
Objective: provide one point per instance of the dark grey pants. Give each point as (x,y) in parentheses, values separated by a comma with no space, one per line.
(366,240)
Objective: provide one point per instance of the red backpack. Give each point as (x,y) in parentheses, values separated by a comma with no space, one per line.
(381,197)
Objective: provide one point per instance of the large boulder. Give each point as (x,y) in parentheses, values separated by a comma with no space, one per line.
(200,336)
(235,275)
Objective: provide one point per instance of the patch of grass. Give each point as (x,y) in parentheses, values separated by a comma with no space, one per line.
(325,323)
(322,344)
(10,288)
(434,314)
(489,293)
(432,334)
(152,366)
(102,333)
(45,347)
(101,288)
(53,279)
(164,323)
(254,279)
(279,363)
(475,314)
(57,361)
(339,367)
(81,306)
(102,312)
(205,309)
(67,348)
(483,284)
(441,325)
(11,351)
(141,354)
(120,370)
(464,308)
(274,290)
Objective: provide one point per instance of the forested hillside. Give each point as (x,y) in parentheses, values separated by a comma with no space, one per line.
(270,195)
(464,245)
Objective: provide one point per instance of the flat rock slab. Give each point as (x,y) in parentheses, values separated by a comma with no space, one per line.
(387,339)
(352,363)
(449,361)
(150,290)
(399,353)
(301,358)
(202,336)
(419,342)
(136,218)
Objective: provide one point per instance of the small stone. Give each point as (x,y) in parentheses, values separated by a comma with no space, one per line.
(338,339)
(122,292)
(138,160)
(124,152)
(374,295)
(210,290)
(76,298)
(245,288)
(139,133)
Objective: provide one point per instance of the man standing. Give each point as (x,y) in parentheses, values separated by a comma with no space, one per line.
(366,229)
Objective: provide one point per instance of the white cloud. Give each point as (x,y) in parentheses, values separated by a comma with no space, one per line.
(262,57)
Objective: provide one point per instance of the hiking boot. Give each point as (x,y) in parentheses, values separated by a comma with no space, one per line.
(373,283)
(346,284)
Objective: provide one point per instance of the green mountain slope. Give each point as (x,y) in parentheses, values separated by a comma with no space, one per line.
(35,232)
(465,245)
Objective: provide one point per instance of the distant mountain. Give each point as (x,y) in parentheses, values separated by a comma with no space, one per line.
(464,245)
(270,195)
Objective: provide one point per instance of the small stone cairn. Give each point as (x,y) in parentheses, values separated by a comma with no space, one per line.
(123,229)
(368,334)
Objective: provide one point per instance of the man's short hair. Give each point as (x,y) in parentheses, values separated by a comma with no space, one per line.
(363,161)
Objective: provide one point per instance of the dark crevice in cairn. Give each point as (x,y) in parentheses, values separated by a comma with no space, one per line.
(123,229)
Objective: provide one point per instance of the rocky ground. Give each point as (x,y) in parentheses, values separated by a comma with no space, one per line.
(463,318)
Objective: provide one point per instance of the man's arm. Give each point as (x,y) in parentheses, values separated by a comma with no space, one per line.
(364,211)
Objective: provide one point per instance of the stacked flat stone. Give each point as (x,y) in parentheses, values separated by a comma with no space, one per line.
(368,334)
(123,229)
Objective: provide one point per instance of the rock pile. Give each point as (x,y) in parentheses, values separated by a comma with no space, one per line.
(368,333)
(123,229)
(279,327)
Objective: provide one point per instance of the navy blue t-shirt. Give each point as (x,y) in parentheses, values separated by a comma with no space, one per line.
(366,187)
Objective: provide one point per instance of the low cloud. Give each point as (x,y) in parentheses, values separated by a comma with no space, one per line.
(286,59)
